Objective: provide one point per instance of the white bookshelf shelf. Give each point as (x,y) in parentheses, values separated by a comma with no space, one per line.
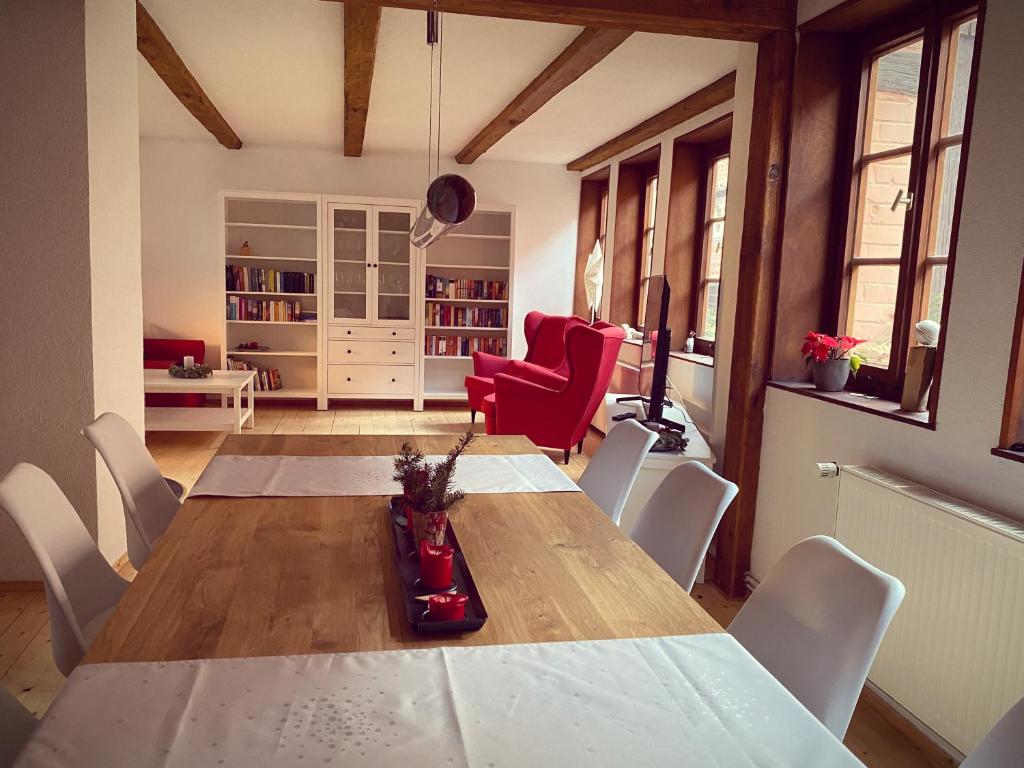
(271,322)
(288,393)
(268,293)
(259,225)
(448,357)
(468,266)
(270,353)
(270,258)
(474,328)
(466,301)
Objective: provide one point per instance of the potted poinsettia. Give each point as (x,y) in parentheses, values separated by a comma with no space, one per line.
(429,489)
(831,359)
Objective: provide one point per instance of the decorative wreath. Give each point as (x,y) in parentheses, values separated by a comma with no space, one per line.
(198,371)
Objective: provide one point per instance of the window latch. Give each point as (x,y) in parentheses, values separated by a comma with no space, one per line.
(902,198)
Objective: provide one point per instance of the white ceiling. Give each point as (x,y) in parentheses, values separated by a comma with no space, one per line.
(275,70)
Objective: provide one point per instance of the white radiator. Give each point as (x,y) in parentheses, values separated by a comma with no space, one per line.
(954,654)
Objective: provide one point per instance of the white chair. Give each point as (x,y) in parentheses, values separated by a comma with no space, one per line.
(676,525)
(1003,746)
(815,623)
(612,471)
(82,589)
(16,726)
(148,502)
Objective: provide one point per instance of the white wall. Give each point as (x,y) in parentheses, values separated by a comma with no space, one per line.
(700,386)
(183,272)
(69,250)
(792,503)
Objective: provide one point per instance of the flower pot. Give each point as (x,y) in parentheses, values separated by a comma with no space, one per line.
(831,375)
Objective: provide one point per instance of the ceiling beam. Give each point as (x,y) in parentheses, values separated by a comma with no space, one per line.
(725,19)
(362,21)
(158,51)
(590,47)
(695,104)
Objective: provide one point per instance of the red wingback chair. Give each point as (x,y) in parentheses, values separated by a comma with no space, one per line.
(550,410)
(545,347)
(163,353)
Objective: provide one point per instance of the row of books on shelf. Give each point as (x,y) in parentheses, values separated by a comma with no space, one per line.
(463,346)
(239,308)
(259,280)
(461,288)
(267,379)
(466,317)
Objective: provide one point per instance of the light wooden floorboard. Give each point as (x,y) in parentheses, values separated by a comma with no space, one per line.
(26,662)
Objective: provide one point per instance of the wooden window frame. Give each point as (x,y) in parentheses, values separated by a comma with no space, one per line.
(934,28)
(703,345)
(1012,429)
(645,253)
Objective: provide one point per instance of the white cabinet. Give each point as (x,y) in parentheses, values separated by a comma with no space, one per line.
(371,327)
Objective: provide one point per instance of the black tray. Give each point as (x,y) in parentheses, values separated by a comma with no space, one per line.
(409,573)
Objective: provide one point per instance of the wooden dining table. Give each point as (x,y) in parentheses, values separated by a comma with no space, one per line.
(245,577)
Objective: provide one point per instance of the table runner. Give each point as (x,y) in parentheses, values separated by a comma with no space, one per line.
(370,475)
(699,700)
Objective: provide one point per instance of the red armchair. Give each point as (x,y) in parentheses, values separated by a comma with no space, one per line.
(163,353)
(545,347)
(552,411)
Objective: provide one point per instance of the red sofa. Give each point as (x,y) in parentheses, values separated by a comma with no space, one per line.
(163,353)
(545,347)
(553,411)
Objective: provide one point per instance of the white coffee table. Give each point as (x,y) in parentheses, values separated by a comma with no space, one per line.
(227,384)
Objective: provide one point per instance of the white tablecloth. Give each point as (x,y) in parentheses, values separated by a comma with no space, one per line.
(370,475)
(676,701)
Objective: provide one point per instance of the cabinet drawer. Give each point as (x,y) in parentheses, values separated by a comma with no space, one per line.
(386,352)
(370,380)
(368,332)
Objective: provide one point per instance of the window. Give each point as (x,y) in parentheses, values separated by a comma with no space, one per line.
(712,242)
(903,194)
(646,255)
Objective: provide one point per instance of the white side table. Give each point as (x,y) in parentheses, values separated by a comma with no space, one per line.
(657,465)
(233,384)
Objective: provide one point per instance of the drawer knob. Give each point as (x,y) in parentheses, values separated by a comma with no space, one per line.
(394,333)
(392,381)
(394,352)
(349,332)
(349,378)
(349,351)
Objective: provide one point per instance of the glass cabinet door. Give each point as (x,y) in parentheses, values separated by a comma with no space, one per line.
(393,270)
(350,241)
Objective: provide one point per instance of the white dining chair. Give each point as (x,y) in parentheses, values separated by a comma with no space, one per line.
(1003,746)
(612,470)
(676,524)
(149,504)
(16,726)
(82,590)
(815,623)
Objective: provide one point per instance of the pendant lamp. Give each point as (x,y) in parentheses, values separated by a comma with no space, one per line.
(450,198)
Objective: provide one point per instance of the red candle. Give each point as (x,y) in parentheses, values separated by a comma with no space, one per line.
(435,565)
(447,607)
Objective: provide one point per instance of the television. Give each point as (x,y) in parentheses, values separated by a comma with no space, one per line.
(657,341)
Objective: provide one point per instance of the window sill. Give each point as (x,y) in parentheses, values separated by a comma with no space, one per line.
(692,357)
(857,402)
(1006,453)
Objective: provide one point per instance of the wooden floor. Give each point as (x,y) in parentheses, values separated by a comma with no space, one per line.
(26,663)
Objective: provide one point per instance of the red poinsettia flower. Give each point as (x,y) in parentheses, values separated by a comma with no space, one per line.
(819,347)
(846,343)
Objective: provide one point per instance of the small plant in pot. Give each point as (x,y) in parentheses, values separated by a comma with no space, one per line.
(831,360)
(429,489)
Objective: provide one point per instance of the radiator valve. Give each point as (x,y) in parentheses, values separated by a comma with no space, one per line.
(828,469)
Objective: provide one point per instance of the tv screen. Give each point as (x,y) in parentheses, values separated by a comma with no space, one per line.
(655,325)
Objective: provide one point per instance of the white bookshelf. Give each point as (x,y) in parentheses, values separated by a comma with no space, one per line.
(481,249)
(284,233)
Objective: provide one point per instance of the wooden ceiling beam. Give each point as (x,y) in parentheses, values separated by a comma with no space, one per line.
(362,22)
(158,51)
(725,19)
(695,104)
(590,47)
